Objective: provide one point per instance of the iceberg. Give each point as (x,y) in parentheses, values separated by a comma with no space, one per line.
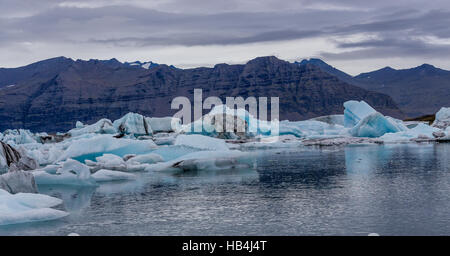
(150,158)
(27,207)
(71,172)
(420,131)
(355,111)
(103,126)
(442,120)
(164,124)
(310,128)
(240,123)
(107,161)
(89,148)
(18,182)
(104,175)
(205,160)
(365,121)
(376,125)
(18,136)
(134,124)
(201,142)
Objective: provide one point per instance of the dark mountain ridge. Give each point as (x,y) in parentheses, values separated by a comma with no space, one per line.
(418,91)
(58,92)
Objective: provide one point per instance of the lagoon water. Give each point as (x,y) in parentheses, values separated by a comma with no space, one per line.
(401,189)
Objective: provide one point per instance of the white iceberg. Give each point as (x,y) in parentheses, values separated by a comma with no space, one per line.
(365,121)
(376,125)
(110,175)
(71,172)
(107,161)
(206,160)
(18,136)
(164,124)
(420,131)
(133,123)
(150,158)
(103,126)
(27,207)
(310,128)
(201,142)
(104,143)
(442,120)
(355,111)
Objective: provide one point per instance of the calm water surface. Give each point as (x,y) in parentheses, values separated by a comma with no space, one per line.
(356,190)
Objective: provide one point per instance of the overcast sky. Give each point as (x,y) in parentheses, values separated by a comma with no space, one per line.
(352,35)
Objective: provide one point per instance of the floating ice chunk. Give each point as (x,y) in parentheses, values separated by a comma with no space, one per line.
(205,160)
(150,158)
(227,123)
(201,142)
(103,126)
(421,130)
(355,111)
(442,120)
(133,123)
(100,144)
(26,207)
(164,138)
(72,172)
(79,125)
(376,125)
(109,175)
(164,124)
(17,182)
(47,153)
(310,128)
(111,162)
(18,136)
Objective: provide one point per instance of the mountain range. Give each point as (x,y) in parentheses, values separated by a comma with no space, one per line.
(51,95)
(418,91)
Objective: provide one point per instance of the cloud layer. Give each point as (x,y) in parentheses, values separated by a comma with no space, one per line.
(351,34)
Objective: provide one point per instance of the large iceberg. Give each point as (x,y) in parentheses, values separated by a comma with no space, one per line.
(355,111)
(164,124)
(109,175)
(133,123)
(26,207)
(365,121)
(89,148)
(102,126)
(201,142)
(442,120)
(205,160)
(227,123)
(71,172)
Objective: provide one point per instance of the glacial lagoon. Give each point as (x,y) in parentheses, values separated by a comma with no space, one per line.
(391,189)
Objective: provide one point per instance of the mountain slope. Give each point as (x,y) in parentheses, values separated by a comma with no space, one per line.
(89,90)
(417,91)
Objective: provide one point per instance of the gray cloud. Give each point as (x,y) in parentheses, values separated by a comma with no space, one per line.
(355,29)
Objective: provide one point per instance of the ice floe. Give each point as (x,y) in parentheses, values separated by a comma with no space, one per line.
(133,123)
(442,120)
(110,175)
(201,142)
(28,207)
(71,172)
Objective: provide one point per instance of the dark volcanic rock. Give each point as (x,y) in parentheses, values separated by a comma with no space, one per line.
(418,91)
(90,90)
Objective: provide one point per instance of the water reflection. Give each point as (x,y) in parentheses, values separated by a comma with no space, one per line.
(355,190)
